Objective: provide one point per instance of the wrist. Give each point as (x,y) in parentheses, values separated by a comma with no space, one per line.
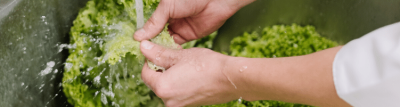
(238,77)
(257,78)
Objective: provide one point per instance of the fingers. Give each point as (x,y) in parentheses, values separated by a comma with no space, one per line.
(150,76)
(182,27)
(159,55)
(178,39)
(155,24)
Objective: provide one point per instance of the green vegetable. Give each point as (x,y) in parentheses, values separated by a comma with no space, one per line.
(205,42)
(280,41)
(277,41)
(166,40)
(104,67)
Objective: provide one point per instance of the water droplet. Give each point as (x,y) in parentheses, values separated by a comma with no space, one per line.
(41,86)
(133,76)
(48,69)
(242,69)
(232,82)
(95,93)
(68,66)
(89,69)
(51,64)
(198,68)
(240,100)
(96,80)
(22,84)
(104,99)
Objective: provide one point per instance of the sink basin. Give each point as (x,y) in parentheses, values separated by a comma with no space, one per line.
(338,20)
(31,32)
(31,64)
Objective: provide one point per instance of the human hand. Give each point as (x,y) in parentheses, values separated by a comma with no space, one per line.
(189,19)
(193,77)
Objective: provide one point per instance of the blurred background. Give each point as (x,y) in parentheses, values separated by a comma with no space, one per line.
(31,32)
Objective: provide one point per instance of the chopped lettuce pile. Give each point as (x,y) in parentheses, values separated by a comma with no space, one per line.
(277,41)
(280,41)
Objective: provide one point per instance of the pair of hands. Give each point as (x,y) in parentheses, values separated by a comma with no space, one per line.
(200,76)
(194,76)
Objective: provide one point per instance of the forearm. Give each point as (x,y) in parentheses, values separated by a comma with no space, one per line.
(303,79)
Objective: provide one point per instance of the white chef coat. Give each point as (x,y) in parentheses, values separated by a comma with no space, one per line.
(366,71)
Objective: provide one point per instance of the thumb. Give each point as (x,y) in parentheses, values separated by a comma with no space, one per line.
(155,24)
(159,55)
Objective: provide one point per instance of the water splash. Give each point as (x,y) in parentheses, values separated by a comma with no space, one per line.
(48,69)
(96,80)
(104,99)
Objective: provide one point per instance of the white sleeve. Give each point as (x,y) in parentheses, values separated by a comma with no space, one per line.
(366,71)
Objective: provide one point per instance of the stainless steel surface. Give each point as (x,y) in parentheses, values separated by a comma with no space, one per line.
(339,20)
(6,6)
(29,33)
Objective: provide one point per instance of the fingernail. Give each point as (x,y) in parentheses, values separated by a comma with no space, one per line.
(147,45)
(140,33)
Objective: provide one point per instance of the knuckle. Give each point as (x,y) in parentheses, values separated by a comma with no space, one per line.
(151,23)
(143,76)
(169,104)
(162,92)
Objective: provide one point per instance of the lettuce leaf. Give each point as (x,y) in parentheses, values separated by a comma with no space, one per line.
(103,68)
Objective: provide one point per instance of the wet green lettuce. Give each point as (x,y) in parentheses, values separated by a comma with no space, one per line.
(103,68)
(104,65)
(280,41)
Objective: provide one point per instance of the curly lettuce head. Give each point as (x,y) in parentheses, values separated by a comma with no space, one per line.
(104,67)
